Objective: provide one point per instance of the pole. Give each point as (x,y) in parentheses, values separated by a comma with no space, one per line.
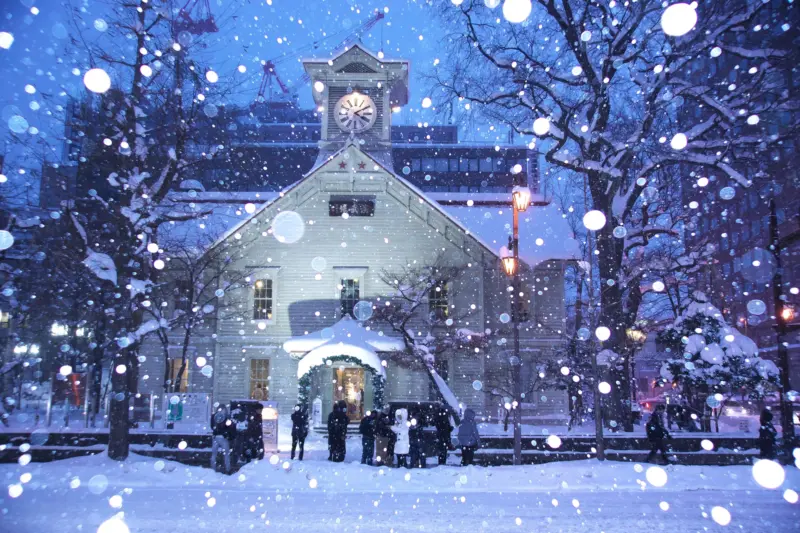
(86,402)
(787,425)
(597,399)
(152,411)
(517,365)
(48,417)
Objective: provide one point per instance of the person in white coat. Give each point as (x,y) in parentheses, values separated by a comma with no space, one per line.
(402,446)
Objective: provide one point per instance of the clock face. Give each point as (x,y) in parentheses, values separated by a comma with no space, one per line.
(355,112)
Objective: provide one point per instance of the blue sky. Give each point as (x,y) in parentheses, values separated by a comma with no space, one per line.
(251,31)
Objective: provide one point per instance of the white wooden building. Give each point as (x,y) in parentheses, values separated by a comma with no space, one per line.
(319,247)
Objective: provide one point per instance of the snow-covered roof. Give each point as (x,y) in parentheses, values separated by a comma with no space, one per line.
(318,356)
(346,337)
(472,198)
(215,220)
(224,197)
(345,330)
(544,233)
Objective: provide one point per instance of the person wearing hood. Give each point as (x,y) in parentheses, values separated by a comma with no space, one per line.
(402,444)
(385,439)
(223,433)
(766,436)
(657,434)
(443,432)
(468,437)
(416,437)
(337,431)
(299,429)
(367,430)
(331,428)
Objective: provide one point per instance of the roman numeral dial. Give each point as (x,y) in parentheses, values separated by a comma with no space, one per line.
(355,112)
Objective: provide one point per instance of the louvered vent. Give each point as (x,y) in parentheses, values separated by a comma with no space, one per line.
(357,68)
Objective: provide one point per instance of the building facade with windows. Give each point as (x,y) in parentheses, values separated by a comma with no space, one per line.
(319,258)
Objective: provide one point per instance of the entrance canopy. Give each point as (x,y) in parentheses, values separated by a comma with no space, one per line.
(345,338)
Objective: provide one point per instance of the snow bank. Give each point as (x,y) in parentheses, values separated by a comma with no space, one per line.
(141,472)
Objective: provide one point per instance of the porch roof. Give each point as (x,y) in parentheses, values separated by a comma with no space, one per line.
(346,337)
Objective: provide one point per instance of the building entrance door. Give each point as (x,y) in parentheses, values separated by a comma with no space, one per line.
(348,385)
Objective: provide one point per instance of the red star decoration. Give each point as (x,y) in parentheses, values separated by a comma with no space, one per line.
(362,165)
(342,164)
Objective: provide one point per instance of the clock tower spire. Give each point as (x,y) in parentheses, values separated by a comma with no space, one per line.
(355,92)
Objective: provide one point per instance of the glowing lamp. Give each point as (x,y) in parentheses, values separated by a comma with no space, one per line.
(508,260)
(521,196)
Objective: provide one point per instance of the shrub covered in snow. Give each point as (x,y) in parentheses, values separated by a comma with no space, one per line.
(711,358)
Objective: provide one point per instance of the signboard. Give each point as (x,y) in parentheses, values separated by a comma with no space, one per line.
(187,407)
(354,206)
(269,426)
(316,412)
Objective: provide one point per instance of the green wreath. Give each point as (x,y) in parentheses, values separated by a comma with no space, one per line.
(378,381)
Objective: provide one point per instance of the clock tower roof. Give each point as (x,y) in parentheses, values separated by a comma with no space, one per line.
(358,65)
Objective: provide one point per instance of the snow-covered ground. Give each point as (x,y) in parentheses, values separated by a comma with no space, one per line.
(149,495)
(728,425)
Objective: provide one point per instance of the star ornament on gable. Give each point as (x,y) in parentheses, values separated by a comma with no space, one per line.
(342,165)
(362,165)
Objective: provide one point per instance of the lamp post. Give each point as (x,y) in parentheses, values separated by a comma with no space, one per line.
(521,200)
(784,314)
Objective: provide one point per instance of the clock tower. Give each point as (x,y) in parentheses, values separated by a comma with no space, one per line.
(356,92)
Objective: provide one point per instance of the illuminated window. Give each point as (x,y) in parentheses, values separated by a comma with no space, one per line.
(259,379)
(174,369)
(4,319)
(262,299)
(59,330)
(438,302)
(348,295)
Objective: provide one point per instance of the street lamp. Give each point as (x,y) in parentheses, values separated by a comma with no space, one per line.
(509,261)
(521,197)
(783,316)
(520,201)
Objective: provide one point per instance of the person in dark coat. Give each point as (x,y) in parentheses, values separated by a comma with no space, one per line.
(657,434)
(416,440)
(299,429)
(468,437)
(367,430)
(339,432)
(385,438)
(766,436)
(674,412)
(223,433)
(331,433)
(444,431)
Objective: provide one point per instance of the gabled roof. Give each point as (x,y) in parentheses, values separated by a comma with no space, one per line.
(344,56)
(544,232)
(393,70)
(346,337)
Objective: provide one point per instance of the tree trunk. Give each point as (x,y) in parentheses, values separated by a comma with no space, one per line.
(118,416)
(613,316)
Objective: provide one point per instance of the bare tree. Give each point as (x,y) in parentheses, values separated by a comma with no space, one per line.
(422,313)
(617,102)
(143,151)
(194,292)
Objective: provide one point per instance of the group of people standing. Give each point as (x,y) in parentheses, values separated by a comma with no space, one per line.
(657,434)
(398,442)
(401,442)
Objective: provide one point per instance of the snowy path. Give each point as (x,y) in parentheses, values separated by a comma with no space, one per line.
(185,511)
(317,496)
